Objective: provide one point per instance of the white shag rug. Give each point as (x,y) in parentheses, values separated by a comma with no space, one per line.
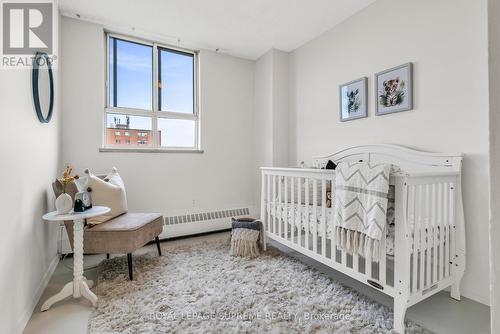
(200,288)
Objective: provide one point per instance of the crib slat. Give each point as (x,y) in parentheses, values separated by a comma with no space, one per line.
(434,234)
(292,208)
(275,213)
(299,210)
(268,220)
(441,230)
(280,205)
(422,236)
(343,259)
(343,254)
(286,207)
(323,218)
(382,260)
(411,231)
(315,216)
(452,228)
(428,233)
(262,205)
(368,265)
(416,238)
(446,239)
(306,187)
(355,262)
(446,244)
(331,223)
(417,245)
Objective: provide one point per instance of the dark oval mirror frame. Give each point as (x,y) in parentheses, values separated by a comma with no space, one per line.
(36,94)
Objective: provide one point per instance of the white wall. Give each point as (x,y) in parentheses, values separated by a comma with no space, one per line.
(263,113)
(169,183)
(280,108)
(447,42)
(30,161)
(271,109)
(271,112)
(494,80)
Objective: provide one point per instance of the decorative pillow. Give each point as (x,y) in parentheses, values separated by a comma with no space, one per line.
(114,178)
(109,192)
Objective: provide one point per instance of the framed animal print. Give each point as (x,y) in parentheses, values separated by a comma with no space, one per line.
(354,100)
(394,90)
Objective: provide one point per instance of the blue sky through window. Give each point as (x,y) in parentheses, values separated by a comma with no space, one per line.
(134,75)
(177,82)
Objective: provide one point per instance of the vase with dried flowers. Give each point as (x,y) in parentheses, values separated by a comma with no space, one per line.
(64,202)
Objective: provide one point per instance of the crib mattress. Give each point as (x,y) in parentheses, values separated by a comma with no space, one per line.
(306,212)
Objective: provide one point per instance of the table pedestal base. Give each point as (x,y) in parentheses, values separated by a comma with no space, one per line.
(77,289)
(80,287)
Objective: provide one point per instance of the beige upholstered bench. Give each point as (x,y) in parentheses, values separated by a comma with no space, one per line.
(121,235)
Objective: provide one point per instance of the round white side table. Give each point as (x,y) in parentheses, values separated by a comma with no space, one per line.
(80,286)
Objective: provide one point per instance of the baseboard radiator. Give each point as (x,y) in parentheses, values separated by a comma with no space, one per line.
(204,216)
(201,222)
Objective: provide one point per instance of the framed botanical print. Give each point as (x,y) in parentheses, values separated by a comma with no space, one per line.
(394,90)
(354,100)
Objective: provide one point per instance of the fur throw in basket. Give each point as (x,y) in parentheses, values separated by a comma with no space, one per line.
(245,237)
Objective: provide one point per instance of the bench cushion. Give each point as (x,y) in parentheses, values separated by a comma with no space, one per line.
(123,234)
(127,222)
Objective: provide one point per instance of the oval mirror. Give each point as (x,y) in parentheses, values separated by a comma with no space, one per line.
(43,87)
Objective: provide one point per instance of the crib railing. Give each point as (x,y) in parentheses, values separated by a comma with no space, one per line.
(432,234)
(283,206)
(295,213)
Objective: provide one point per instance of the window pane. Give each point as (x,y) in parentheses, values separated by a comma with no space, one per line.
(176,81)
(111,90)
(128,131)
(130,78)
(176,132)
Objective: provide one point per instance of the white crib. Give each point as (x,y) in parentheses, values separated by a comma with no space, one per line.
(429,238)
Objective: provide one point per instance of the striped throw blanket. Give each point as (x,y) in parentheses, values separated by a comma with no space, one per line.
(360,206)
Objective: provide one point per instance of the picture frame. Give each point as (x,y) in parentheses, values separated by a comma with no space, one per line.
(353,100)
(394,90)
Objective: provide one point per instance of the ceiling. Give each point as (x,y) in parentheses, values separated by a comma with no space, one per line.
(243,28)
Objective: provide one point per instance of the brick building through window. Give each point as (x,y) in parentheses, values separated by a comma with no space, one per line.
(120,134)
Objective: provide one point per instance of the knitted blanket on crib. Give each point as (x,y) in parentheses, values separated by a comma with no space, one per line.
(360,207)
(245,236)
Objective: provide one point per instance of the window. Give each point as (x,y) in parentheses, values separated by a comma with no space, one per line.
(151,96)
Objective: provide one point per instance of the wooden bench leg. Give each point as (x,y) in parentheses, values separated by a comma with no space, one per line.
(130,270)
(158,245)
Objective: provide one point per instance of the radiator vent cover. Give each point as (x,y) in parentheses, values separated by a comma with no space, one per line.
(204,216)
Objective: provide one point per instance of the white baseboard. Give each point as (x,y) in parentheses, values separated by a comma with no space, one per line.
(39,291)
